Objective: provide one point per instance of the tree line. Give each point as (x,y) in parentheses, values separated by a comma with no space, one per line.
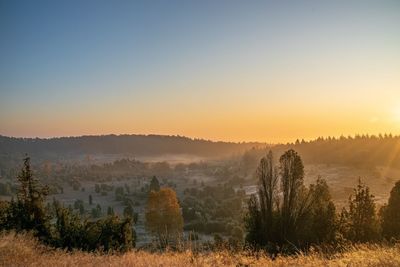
(139,145)
(357,151)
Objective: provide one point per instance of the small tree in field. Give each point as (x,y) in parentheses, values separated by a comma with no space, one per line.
(163,216)
(391,214)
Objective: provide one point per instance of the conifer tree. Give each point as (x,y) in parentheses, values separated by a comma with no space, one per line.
(359,221)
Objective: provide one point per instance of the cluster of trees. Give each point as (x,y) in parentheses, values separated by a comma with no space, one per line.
(216,210)
(59,226)
(286,215)
(132,171)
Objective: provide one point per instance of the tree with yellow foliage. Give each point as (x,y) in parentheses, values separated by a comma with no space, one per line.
(163,216)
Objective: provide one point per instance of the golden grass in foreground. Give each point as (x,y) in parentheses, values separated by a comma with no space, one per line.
(22,250)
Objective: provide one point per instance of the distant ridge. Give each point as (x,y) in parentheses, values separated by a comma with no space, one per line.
(140,145)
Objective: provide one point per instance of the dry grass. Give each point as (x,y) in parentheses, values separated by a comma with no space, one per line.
(22,250)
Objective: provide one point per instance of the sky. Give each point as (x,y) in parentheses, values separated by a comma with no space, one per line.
(270,71)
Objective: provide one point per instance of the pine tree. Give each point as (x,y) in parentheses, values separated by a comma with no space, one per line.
(28,212)
(360,219)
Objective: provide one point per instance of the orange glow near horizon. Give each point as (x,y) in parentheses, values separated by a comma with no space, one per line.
(268,71)
(237,127)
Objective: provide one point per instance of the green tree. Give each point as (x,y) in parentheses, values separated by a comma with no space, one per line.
(28,212)
(359,223)
(129,212)
(69,230)
(321,224)
(115,234)
(391,214)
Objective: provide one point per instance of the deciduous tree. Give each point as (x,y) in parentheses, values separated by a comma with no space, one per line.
(163,215)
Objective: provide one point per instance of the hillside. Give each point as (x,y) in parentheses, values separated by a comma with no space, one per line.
(22,250)
(358,151)
(137,145)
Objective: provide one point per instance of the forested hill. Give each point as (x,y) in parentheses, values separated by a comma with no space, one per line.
(359,150)
(139,145)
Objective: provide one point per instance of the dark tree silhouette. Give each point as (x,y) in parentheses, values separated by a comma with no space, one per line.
(28,212)
(391,214)
(292,216)
(359,223)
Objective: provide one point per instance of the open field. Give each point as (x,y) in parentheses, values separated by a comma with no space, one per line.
(22,250)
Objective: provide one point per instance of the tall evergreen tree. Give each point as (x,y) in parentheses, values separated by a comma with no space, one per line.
(29,210)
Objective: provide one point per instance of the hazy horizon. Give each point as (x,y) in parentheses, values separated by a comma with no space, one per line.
(202,138)
(219,70)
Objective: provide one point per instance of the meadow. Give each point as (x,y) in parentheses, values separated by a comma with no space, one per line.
(24,250)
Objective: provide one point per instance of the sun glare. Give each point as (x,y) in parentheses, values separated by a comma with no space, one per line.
(396,113)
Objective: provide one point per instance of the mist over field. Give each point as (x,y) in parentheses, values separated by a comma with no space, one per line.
(122,167)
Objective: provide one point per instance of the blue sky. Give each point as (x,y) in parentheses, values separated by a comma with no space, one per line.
(93,67)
